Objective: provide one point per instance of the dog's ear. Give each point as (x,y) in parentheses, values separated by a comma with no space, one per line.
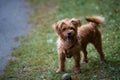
(76,22)
(55,26)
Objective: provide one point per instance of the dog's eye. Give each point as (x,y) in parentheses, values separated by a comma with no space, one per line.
(64,29)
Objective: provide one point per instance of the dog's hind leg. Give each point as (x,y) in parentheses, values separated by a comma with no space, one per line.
(98,45)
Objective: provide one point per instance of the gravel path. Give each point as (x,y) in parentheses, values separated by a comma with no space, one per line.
(13,23)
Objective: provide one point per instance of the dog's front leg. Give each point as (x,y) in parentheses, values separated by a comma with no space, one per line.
(61,58)
(77,64)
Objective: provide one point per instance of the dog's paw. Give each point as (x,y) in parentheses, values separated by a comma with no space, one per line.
(84,61)
(103,61)
(77,72)
(59,71)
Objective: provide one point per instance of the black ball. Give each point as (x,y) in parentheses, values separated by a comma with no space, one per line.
(66,76)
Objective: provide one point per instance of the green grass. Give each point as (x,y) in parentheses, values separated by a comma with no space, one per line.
(36,58)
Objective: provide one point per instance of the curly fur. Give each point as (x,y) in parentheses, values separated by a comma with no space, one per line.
(72,39)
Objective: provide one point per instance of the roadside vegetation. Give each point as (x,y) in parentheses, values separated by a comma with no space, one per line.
(36,58)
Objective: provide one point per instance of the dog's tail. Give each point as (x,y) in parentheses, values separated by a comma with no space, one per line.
(95,19)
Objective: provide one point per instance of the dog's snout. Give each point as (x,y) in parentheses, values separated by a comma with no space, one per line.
(69,33)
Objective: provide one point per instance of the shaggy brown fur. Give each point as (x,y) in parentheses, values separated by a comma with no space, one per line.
(72,39)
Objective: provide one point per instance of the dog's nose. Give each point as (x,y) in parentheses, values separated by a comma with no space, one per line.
(69,34)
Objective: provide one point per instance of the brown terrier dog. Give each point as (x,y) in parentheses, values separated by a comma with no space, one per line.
(73,39)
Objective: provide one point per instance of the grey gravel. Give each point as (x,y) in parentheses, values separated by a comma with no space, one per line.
(13,23)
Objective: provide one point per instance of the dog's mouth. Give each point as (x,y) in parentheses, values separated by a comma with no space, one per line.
(70,37)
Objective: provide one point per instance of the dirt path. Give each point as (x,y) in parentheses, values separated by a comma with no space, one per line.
(13,23)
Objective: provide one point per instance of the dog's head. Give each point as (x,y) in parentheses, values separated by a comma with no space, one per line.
(67,28)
